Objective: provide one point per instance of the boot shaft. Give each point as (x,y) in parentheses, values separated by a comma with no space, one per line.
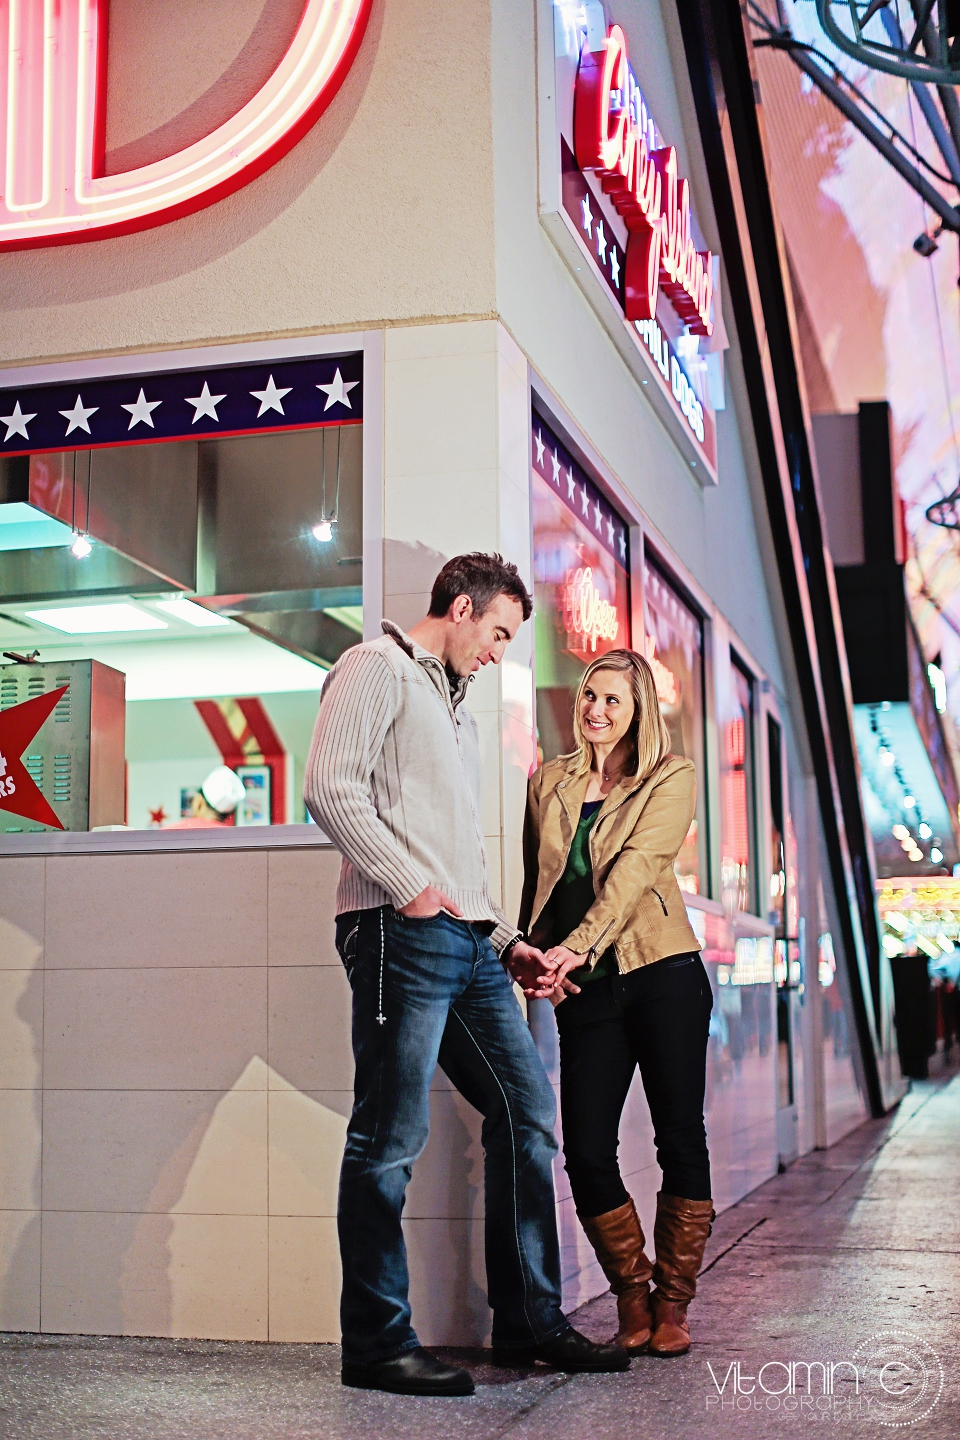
(680,1235)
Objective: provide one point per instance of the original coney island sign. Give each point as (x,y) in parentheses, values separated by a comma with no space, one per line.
(623,197)
(53,77)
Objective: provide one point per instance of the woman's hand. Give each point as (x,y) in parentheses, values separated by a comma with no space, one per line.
(562,960)
(532,972)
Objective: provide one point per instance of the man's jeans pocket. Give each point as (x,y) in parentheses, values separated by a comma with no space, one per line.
(347,936)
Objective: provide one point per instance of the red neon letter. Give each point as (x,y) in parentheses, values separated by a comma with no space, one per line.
(598,145)
(52,88)
(645,188)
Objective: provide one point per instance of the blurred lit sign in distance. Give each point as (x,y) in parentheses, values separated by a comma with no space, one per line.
(53,82)
(623,197)
(664,679)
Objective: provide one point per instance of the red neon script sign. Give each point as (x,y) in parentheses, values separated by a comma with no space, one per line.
(52,103)
(646,189)
(585,611)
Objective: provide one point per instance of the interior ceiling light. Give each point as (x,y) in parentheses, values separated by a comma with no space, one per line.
(901,832)
(909,801)
(936,855)
(190,613)
(887,757)
(323,531)
(97,619)
(23,527)
(924,831)
(81,547)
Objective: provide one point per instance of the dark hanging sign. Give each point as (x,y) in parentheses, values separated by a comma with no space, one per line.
(553,462)
(182,405)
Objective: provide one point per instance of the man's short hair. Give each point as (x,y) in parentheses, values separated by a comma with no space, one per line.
(483,578)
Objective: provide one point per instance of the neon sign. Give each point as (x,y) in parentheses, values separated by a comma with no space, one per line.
(664,679)
(613,138)
(53,190)
(585,612)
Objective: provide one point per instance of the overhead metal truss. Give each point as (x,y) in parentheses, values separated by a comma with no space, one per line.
(930,56)
(883,135)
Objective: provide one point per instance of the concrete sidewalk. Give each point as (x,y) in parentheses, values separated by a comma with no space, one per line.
(822,1264)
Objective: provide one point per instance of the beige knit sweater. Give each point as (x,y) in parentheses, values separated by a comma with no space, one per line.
(393,777)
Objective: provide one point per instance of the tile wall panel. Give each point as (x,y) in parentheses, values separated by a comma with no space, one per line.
(154,1029)
(156,910)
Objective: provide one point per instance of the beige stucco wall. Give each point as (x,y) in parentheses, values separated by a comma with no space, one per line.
(383,212)
(175,1082)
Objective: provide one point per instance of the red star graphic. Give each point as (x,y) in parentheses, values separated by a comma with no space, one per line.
(157,816)
(18,725)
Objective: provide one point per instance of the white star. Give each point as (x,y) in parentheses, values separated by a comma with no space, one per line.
(556,469)
(614,266)
(623,545)
(204,404)
(141,409)
(571,483)
(587,215)
(584,501)
(17,422)
(539,444)
(79,416)
(601,241)
(609,532)
(599,517)
(270,398)
(338,392)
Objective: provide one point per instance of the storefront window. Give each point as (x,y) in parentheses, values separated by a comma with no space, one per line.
(778,865)
(581,583)
(673,644)
(191,594)
(737,868)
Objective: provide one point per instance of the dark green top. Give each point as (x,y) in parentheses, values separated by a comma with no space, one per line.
(573,895)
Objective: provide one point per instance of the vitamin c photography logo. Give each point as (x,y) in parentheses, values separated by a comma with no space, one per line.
(902,1375)
(891,1380)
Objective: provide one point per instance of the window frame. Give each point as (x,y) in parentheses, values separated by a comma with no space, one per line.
(370,344)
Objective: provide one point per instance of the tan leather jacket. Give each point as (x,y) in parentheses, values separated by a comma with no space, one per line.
(640,827)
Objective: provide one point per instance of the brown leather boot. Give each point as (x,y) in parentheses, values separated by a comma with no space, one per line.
(617,1237)
(679,1235)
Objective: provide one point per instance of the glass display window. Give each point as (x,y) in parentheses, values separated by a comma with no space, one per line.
(776,900)
(738,870)
(186,580)
(581,583)
(673,643)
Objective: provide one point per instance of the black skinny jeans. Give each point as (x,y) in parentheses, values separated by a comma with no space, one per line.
(658,1018)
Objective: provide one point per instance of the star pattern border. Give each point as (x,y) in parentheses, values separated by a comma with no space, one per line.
(552,462)
(182,404)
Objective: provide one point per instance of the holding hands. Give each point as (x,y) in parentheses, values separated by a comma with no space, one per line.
(543,976)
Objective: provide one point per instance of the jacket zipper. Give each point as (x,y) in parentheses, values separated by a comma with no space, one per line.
(660,898)
(596,944)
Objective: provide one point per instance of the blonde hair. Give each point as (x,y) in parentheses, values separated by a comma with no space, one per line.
(648,732)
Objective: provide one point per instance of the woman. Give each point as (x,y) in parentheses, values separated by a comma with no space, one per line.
(603,828)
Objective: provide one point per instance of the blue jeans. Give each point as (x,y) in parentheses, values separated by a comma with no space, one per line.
(428,992)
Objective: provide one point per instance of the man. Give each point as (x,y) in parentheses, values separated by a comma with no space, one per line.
(394,778)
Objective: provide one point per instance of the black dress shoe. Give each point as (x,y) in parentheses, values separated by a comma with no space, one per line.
(412,1373)
(571,1352)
